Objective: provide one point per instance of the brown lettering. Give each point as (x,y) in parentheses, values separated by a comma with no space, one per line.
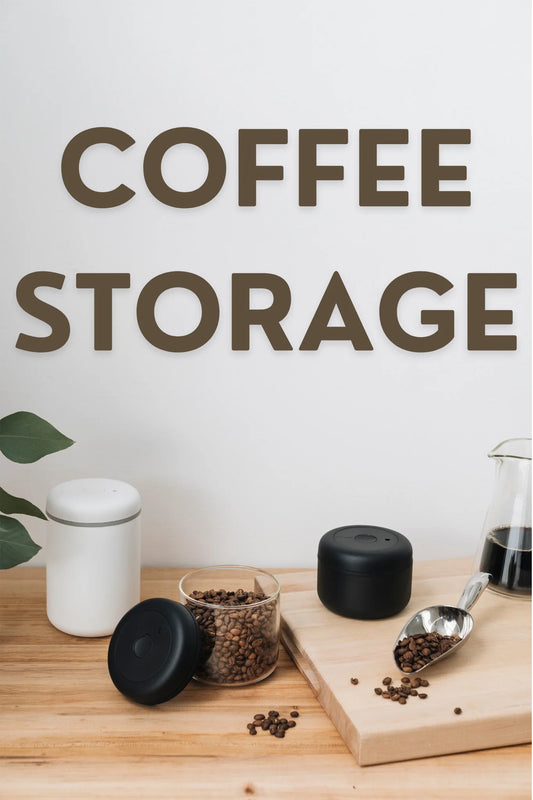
(103,284)
(58,322)
(433,171)
(154,176)
(249,171)
(336,296)
(388,313)
(178,280)
(309,171)
(268,318)
(70,167)
(370,173)
(479,316)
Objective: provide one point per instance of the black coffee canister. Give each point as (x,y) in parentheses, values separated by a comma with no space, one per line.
(364,571)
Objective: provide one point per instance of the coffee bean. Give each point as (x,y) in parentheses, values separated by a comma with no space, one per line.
(239,643)
(422,695)
(412,653)
(386,695)
(355,681)
(273,723)
(424,682)
(402,701)
(378,690)
(386,681)
(458,710)
(406,680)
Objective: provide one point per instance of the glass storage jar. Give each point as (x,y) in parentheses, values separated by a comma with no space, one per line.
(238,612)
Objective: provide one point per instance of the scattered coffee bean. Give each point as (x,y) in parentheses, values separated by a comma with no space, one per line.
(412,653)
(239,640)
(458,710)
(355,681)
(400,694)
(424,682)
(273,723)
(422,695)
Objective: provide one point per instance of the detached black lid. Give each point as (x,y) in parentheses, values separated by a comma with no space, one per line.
(154,651)
(365,549)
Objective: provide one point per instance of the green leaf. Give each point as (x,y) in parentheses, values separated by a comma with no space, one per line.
(25,437)
(10,504)
(16,545)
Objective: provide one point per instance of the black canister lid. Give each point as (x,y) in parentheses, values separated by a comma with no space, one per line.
(154,651)
(365,549)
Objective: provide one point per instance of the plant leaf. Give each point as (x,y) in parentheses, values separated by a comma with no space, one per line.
(16,544)
(10,504)
(25,437)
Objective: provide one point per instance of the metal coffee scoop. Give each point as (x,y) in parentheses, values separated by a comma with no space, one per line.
(445,620)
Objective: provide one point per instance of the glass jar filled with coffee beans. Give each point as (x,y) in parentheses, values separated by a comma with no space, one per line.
(237,610)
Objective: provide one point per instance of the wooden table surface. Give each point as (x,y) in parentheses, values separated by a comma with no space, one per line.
(65,732)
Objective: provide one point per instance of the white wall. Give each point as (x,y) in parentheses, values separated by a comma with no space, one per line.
(251,456)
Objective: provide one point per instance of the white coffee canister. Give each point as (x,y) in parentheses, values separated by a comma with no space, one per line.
(93,555)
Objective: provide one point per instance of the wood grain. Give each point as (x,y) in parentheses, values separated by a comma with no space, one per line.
(489,678)
(65,732)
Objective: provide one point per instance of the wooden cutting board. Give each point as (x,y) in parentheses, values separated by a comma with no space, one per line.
(489,678)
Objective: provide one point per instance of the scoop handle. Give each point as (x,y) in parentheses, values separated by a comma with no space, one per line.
(473,589)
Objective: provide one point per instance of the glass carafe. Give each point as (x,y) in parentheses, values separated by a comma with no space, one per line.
(505,547)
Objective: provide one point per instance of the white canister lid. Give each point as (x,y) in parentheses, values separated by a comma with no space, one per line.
(93,501)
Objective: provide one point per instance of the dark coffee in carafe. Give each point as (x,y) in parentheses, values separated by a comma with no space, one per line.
(507,556)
